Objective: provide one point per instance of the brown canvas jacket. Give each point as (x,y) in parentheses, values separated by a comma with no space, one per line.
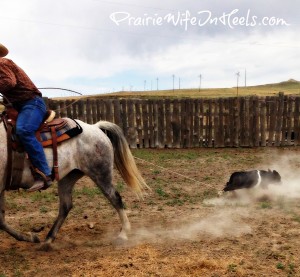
(15,85)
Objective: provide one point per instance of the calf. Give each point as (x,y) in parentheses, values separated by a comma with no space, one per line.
(250,179)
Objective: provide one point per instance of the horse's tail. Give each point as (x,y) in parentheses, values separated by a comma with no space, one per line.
(123,158)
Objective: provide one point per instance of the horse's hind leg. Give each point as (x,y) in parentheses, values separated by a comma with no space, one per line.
(107,188)
(65,188)
(3,225)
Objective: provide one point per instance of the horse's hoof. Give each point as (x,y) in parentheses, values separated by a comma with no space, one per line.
(46,247)
(36,239)
(120,240)
(220,193)
(33,238)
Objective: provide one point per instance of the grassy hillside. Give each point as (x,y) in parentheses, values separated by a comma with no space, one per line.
(288,87)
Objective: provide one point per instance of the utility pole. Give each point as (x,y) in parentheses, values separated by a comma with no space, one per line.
(200,77)
(179,83)
(145,85)
(245,78)
(237,83)
(156,83)
(173,81)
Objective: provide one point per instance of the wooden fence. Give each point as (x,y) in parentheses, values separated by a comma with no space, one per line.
(184,123)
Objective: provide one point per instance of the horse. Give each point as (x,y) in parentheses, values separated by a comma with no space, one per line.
(93,153)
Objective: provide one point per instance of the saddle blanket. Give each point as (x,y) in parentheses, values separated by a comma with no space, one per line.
(69,130)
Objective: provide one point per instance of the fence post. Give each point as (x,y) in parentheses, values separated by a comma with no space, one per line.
(279,139)
(176,124)
(236,120)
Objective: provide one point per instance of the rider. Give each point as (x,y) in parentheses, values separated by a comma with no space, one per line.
(20,92)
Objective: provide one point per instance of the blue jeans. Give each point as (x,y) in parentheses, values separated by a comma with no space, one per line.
(31,115)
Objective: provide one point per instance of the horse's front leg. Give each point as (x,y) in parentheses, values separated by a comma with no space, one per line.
(3,226)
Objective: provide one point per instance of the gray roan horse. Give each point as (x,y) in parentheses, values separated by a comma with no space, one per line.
(91,153)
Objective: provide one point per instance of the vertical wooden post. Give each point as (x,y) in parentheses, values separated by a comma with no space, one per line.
(237,124)
(278,128)
(161,127)
(94,111)
(131,123)
(117,112)
(152,124)
(196,124)
(139,126)
(227,120)
(81,114)
(263,122)
(145,109)
(221,129)
(255,121)
(297,122)
(176,124)
(210,123)
(88,111)
(124,117)
(168,112)
(109,110)
(289,120)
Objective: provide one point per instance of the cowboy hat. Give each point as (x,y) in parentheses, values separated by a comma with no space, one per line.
(3,51)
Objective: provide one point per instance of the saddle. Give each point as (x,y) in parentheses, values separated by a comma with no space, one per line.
(51,132)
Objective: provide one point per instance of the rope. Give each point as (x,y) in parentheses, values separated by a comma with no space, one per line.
(70,90)
(171,171)
(63,89)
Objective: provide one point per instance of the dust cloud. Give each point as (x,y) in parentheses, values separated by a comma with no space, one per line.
(231,211)
(288,167)
(225,223)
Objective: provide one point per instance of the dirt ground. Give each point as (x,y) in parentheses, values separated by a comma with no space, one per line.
(181,227)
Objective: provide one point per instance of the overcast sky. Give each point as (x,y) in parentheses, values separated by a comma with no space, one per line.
(96,46)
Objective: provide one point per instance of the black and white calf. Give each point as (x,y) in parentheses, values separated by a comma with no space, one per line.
(251,179)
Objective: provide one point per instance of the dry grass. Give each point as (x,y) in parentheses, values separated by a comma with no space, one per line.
(180,228)
(290,87)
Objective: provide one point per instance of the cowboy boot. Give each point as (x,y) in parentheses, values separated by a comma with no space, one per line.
(40,184)
(41,181)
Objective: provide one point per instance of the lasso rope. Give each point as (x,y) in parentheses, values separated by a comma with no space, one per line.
(63,89)
(173,172)
(10,104)
(70,90)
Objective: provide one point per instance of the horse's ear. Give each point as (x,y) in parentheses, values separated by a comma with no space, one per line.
(269,170)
